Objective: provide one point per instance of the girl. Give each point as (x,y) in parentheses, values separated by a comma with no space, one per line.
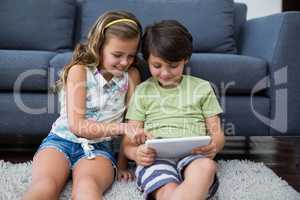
(94,88)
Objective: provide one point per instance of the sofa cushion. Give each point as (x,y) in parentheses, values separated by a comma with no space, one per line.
(235,73)
(29,66)
(210,21)
(58,62)
(239,117)
(26,117)
(240,14)
(36,24)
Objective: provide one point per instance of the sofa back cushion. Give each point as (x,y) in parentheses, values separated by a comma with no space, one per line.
(240,14)
(37,24)
(211,22)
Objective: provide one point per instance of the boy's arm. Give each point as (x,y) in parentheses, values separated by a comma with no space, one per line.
(214,129)
(213,125)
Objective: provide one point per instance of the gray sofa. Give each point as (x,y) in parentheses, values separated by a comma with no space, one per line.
(253,65)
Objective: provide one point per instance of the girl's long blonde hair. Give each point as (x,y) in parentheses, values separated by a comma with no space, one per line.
(89,53)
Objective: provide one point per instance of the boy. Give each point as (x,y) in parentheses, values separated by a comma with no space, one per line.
(170,104)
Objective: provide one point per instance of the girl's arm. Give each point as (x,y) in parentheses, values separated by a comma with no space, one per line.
(126,144)
(141,154)
(129,147)
(123,173)
(75,98)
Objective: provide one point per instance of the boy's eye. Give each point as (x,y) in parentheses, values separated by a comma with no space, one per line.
(173,66)
(156,66)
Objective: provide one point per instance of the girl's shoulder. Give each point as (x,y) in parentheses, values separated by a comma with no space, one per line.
(77,72)
(134,76)
(86,72)
(77,69)
(134,73)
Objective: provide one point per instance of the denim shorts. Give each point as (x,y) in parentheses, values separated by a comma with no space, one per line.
(74,151)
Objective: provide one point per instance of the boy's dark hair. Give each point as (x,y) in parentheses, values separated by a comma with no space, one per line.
(167,39)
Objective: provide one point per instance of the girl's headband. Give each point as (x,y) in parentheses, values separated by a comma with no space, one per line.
(118,21)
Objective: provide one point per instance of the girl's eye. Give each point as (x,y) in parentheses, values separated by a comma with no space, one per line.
(117,55)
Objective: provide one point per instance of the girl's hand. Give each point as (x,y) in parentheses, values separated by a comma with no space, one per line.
(136,135)
(125,175)
(145,156)
(209,150)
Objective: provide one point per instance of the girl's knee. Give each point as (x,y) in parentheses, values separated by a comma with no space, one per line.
(79,195)
(46,187)
(87,185)
(76,195)
(85,182)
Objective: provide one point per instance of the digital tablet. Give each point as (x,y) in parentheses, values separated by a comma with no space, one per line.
(177,147)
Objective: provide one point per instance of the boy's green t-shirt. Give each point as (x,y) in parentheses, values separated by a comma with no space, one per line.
(175,112)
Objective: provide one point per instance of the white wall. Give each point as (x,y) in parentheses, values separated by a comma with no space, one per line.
(259,8)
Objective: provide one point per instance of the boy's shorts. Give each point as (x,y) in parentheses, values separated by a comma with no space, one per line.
(164,171)
(74,151)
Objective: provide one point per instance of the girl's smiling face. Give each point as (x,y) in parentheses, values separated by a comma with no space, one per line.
(118,55)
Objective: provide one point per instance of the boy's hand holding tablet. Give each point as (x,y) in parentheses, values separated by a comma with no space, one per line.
(209,150)
(145,156)
(179,147)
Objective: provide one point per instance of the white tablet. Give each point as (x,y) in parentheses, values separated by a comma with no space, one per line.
(177,147)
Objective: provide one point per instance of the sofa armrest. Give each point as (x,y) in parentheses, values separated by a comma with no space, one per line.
(276,39)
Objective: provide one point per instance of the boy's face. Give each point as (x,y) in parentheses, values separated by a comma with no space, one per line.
(167,73)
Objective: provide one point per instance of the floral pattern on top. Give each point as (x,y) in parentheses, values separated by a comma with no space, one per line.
(105,102)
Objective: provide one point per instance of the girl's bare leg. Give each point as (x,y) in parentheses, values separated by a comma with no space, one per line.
(50,170)
(91,178)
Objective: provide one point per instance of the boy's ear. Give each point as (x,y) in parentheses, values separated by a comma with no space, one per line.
(186,61)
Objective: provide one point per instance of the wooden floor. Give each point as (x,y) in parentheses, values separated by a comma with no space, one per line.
(281,154)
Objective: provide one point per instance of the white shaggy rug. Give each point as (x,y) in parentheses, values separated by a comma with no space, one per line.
(244,180)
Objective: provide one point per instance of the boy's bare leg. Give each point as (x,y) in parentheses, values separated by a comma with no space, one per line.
(91,178)
(50,170)
(165,192)
(198,177)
